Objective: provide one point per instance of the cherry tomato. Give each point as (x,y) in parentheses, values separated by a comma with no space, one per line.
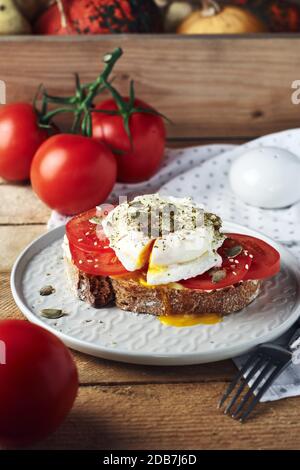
(20,137)
(72,173)
(233,270)
(98,263)
(265,261)
(139,159)
(39,382)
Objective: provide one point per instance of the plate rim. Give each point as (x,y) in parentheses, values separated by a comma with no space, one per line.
(135,357)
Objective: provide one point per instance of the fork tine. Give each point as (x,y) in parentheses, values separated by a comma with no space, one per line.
(248,377)
(267,368)
(263,389)
(251,361)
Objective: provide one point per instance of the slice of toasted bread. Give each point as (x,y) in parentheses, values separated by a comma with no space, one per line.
(129,294)
(169,300)
(95,290)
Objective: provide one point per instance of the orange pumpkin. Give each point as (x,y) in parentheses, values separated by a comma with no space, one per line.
(212,19)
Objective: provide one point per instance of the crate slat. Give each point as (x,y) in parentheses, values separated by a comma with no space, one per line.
(209,87)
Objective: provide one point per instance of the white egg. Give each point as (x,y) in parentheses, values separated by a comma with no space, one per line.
(266,177)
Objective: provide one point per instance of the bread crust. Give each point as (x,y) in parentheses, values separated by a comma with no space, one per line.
(95,290)
(163,300)
(129,294)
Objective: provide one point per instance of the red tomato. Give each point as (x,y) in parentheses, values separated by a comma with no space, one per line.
(89,247)
(39,383)
(20,137)
(98,263)
(234,269)
(72,173)
(141,159)
(266,260)
(85,234)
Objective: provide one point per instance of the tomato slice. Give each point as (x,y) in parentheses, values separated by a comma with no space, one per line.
(87,235)
(97,263)
(235,267)
(265,261)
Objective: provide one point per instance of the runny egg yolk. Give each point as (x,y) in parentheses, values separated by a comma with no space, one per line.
(145,254)
(180,321)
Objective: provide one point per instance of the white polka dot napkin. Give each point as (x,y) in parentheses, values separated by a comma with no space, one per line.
(202,173)
(208,184)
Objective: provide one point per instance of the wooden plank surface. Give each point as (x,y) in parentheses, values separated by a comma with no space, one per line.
(13,239)
(19,205)
(221,86)
(171,416)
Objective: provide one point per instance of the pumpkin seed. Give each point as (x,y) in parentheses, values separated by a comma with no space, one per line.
(52,313)
(234,251)
(47,290)
(217,276)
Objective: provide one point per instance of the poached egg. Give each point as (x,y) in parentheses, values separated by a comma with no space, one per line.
(171,238)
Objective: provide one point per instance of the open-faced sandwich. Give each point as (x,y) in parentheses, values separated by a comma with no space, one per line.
(164,256)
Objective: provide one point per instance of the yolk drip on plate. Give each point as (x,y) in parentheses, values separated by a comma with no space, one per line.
(190,319)
(184,320)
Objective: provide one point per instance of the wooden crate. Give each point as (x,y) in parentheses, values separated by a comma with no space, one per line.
(210,87)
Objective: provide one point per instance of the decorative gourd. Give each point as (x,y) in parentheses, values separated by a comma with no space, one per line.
(212,19)
(175,14)
(100,17)
(11,19)
(279,15)
(283,18)
(28,8)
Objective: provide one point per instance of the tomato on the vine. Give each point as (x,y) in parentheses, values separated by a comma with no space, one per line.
(20,137)
(140,156)
(72,173)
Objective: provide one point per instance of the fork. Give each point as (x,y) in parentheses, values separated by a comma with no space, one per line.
(264,365)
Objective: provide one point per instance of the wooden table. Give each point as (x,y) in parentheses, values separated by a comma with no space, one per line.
(123,406)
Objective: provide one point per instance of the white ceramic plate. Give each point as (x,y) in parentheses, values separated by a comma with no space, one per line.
(114,334)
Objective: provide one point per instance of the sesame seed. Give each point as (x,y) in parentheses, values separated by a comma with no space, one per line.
(87,233)
(89,261)
(95,243)
(236,261)
(246,252)
(251,256)
(247,266)
(96,266)
(231,260)
(80,261)
(80,239)
(234,273)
